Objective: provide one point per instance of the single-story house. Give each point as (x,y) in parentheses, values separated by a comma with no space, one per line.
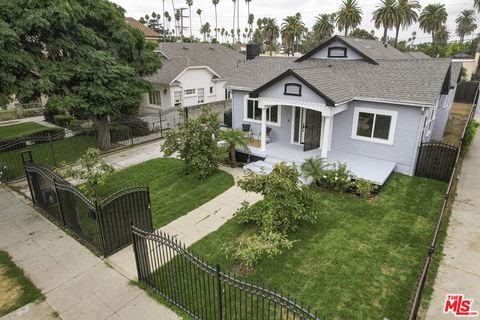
(361,102)
(191,74)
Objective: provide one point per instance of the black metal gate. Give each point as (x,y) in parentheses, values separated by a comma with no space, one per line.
(436,160)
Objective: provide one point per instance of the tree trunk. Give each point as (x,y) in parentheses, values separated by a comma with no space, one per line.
(216,24)
(433,44)
(103,133)
(396,34)
(346,31)
(233,156)
(385,32)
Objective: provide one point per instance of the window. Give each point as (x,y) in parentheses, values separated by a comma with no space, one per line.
(227,94)
(155,97)
(374,125)
(293,89)
(337,52)
(201,95)
(212,90)
(189,92)
(177,98)
(254,113)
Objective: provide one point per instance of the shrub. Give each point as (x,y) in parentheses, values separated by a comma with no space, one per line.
(364,188)
(338,179)
(52,108)
(469,135)
(139,128)
(314,168)
(63,120)
(286,203)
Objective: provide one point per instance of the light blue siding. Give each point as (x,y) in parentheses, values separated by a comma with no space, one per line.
(277,90)
(404,148)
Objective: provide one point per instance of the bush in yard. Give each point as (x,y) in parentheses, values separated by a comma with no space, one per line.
(93,171)
(195,142)
(364,188)
(314,168)
(338,178)
(63,120)
(469,135)
(53,108)
(234,138)
(286,203)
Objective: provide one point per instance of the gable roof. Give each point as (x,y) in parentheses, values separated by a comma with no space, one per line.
(176,57)
(149,33)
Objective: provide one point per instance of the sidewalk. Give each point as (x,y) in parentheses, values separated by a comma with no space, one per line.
(76,283)
(195,225)
(459,270)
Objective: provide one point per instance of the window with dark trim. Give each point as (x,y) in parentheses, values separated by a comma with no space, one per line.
(337,52)
(293,89)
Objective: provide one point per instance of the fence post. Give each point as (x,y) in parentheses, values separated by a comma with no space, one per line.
(59,202)
(98,213)
(135,251)
(219,293)
(51,149)
(130,132)
(27,175)
(161,125)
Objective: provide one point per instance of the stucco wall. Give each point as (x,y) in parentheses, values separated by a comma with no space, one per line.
(404,146)
(323,54)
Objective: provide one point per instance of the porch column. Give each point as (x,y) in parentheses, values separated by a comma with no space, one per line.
(263,133)
(327,135)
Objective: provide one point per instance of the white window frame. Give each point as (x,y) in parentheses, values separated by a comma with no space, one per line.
(191,94)
(393,124)
(211,94)
(201,98)
(246,119)
(177,102)
(155,93)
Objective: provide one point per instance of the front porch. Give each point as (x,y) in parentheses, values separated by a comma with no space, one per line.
(374,170)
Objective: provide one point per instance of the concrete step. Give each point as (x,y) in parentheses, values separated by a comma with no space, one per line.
(260,167)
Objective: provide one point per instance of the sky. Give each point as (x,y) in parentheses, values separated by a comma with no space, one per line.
(279,9)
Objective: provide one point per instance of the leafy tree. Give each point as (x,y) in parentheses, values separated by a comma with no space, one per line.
(349,16)
(431,19)
(234,138)
(466,23)
(195,142)
(286,204)
(314,168)
(80,52)
(386,16)
(407,15)
(324,26)
(363,34)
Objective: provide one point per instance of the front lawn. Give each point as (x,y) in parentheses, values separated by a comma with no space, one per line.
(16,289)
(361,260)
(172,193)
(20,130)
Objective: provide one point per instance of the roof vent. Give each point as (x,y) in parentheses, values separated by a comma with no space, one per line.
(385,44)
(212,48)
(185,48)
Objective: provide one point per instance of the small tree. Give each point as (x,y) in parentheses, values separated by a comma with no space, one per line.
(234,138)
(93,171)
(314,168)
(195,142)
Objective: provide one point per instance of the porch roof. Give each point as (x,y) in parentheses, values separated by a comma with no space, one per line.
(374,170)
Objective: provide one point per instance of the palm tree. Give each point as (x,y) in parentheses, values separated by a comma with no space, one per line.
(442,35)
(167,16)
(270,32)
(323,27)
(465,23)
(407,15)
(292,29)
(199,12)
(215,3)
(313,168)
(190,4)
(233,30)
(234,138)
(251,18)
(349,16)
(432,18)
(248,14)
(164,17)
(476,5)
(386,15)
(178,16)
(205,29)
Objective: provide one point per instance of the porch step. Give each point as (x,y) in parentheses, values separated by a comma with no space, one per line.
(260,167)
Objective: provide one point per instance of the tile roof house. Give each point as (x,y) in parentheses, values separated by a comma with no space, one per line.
(150,35)
(192,74)
(349,100)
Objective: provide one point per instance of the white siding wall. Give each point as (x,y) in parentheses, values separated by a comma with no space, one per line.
(201,78)
(277,90)
(442,115)
(323,54)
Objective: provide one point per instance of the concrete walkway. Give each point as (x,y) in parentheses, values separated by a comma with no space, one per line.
(195,225)
(76,283)
(459,270)
(37,119)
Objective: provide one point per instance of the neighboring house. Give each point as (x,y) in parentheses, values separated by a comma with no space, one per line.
(191,74)
(468,62)
(349,100)
(150,35)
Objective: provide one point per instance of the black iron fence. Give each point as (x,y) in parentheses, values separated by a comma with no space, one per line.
(105,225)
(203,291)
(417,297)
(436,160)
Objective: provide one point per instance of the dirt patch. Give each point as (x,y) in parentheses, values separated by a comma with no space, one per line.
(456,122)
(10,290)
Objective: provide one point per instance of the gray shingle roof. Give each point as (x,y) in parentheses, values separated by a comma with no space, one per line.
(374,49)
(178,56)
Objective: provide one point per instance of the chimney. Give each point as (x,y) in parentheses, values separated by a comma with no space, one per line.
(253,50)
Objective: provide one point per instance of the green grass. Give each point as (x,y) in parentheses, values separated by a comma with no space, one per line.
(361,260)
(16,289)
(20,130)
(67,150)
(172,193)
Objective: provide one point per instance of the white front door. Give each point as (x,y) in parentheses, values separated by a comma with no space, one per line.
(298,125)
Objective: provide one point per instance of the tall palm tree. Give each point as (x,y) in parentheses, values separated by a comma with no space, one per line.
(442,35)
(251,19)
(238,20)
(190,4)
(248,14)
(386,15)
(178,16)
(292,29)
(407,15)
(215,3)
(164,28)
(222,33)
(205,30)
(199,12)
(431,19)
(465,23)
(233,30)
(476,5)
(271,32)
(323,27)
(166,14)
(349,16)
